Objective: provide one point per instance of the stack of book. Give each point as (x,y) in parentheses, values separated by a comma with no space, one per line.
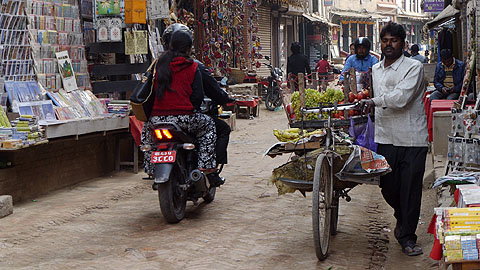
(119,107)
(458,229)
(27,129)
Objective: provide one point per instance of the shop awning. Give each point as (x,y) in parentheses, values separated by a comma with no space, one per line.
(392,6)
(351,14)
(319,19)
(446,14)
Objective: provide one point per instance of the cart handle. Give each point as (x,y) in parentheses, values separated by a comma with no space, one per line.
(339,107)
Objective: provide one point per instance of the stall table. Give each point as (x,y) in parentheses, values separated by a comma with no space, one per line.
(245,108)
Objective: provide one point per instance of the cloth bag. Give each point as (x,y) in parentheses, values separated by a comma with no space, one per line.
(143,96)
(364,135)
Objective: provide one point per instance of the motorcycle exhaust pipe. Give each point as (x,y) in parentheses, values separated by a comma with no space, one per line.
(198,180)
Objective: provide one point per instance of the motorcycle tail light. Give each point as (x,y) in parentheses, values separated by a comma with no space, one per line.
(161,133)
(167,133)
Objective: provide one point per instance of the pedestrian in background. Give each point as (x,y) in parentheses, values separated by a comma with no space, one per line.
(352,51)
(297,63)
(448,79)
(416,55)
(406,49)
(400,132)
(322,68)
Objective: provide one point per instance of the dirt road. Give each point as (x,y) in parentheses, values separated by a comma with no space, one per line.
(115,223)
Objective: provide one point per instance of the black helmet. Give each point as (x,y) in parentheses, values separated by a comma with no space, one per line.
(362,41)
(167,34)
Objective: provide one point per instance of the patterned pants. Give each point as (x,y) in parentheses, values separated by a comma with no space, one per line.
(198,124)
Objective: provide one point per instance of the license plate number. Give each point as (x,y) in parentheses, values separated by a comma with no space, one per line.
(163,156)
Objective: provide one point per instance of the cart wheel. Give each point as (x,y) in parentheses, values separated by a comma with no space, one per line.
(322,203)
(334,217)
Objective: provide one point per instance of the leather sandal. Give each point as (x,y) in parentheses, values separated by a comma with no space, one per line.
(412,250)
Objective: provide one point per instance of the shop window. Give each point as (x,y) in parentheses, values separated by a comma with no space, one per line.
(353,31)
(315,5)
(361,30)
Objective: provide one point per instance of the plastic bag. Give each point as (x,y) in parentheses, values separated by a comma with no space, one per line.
(364,134)
(364,166)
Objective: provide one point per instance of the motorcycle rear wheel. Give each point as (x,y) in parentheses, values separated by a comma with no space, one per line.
(172,198)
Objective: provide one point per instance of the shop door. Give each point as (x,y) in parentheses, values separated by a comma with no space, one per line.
(265,34)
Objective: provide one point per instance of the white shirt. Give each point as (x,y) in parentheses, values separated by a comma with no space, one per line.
(398,95)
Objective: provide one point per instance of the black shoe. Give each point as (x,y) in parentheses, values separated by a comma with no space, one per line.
(215,179)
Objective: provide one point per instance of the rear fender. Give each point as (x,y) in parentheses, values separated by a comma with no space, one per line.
(162,172)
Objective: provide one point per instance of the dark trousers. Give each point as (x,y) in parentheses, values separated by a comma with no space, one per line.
(439,95)
(223,135)
(402,188)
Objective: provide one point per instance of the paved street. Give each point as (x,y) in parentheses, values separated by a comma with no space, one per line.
(115,223)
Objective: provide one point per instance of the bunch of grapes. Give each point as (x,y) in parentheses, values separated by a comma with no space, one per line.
(313,98)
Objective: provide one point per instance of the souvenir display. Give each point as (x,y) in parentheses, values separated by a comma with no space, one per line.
(57,27)
(115,29)
(135,11)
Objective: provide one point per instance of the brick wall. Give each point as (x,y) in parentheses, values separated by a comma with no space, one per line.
(60,163)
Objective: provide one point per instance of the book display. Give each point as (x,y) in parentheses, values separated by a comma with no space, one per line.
(15,54)
(54,27)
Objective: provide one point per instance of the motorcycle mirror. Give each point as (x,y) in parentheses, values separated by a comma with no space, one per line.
(267,58)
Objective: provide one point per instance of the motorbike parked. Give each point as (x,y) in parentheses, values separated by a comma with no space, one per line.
(273,99)
(176,177)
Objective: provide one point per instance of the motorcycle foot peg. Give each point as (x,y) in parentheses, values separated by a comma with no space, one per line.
(196,175)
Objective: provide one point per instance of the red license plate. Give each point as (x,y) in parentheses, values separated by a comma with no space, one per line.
(163,156)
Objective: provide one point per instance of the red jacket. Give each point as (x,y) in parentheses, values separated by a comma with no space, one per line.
(187,86)
(323,66)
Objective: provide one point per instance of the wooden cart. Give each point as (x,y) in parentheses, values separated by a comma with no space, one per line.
(326,187)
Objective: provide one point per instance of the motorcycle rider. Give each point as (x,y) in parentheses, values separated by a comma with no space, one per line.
(179,94)
(214,92)
(362,61)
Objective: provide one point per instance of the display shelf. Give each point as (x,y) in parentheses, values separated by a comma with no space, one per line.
(85,126)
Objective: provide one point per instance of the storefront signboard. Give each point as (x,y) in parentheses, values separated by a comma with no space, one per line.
(433,6)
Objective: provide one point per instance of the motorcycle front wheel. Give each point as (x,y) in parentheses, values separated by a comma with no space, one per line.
(272,101)
(172,198)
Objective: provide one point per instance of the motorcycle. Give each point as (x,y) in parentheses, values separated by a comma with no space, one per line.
(273,98)
(176,177)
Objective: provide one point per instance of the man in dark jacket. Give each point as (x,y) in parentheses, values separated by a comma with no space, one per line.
(214,92)
(297,63)
(448,78)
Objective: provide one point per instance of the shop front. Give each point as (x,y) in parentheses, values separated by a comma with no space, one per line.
(354,25)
